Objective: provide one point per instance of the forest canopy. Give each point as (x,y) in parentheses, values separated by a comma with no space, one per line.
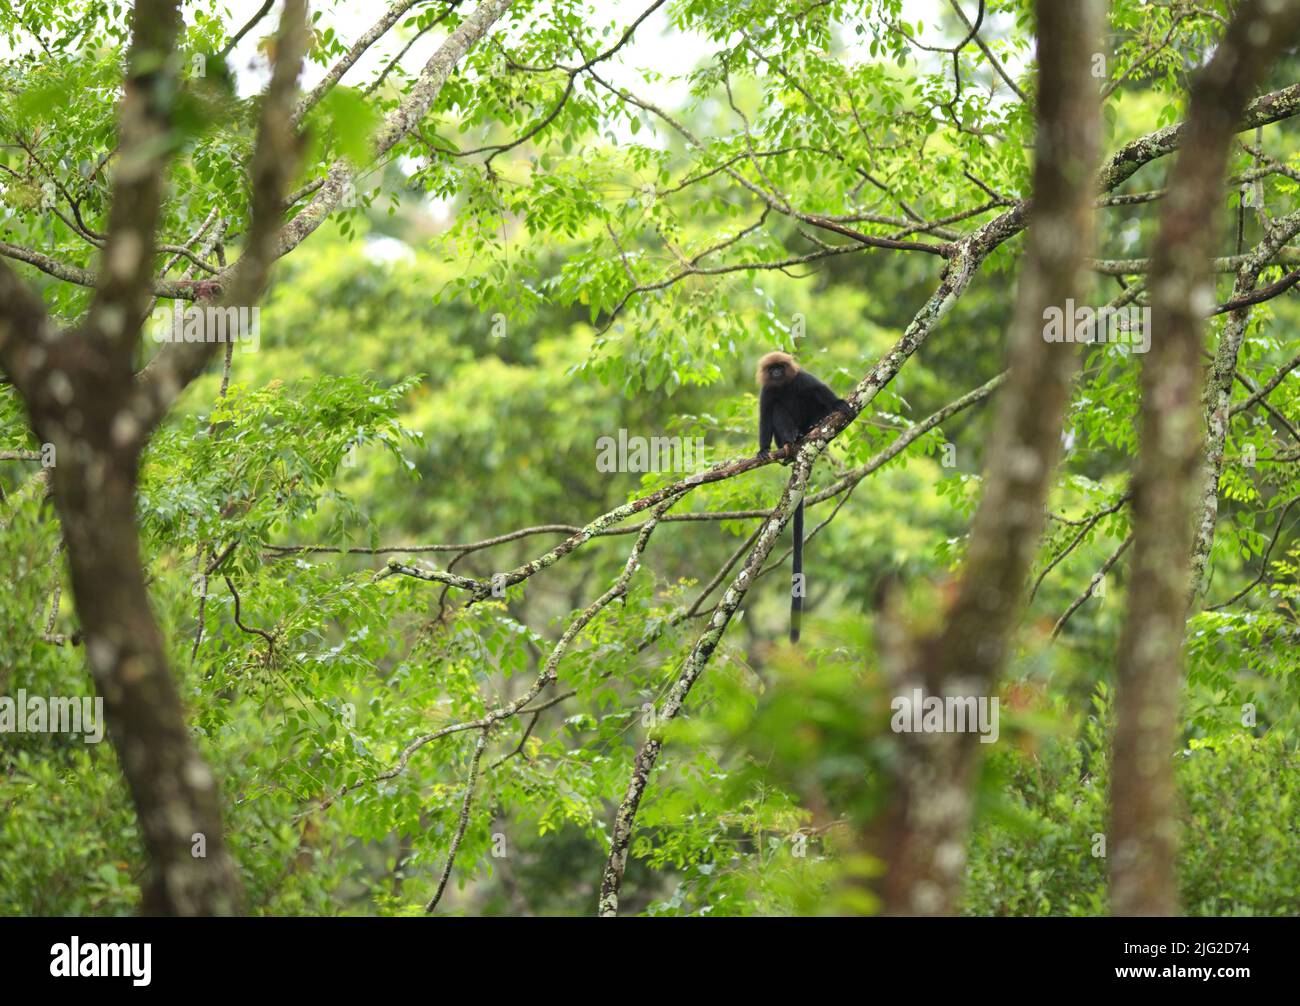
(381,525)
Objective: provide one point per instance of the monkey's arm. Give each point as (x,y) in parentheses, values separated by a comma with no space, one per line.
(765,427)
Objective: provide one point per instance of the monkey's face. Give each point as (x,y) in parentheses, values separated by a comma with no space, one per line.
(776,373)
(776,370)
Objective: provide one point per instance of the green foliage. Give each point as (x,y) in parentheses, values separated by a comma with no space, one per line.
(550,259)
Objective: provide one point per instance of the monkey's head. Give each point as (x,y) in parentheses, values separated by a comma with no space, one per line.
(776,369)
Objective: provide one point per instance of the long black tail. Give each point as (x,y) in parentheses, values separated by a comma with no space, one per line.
(796,576)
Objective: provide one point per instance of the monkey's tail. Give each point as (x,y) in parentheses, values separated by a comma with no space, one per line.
(796,575)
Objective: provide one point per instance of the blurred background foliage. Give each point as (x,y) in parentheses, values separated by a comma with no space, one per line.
(438,371)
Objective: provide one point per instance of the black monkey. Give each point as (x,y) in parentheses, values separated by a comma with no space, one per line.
(790,403)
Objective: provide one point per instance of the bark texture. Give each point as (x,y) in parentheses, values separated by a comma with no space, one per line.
(1144,824)
(921,838)
(80,393)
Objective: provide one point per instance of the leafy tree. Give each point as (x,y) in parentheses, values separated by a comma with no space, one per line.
(375,634)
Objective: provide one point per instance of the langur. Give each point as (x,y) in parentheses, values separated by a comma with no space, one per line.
(790,403)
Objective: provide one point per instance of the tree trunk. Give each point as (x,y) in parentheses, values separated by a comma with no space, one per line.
(1144,822)
(921,838)
(175,795)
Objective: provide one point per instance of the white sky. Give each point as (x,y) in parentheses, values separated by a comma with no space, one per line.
(655,45)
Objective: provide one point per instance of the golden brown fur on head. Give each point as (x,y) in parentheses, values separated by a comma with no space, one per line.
(776,369)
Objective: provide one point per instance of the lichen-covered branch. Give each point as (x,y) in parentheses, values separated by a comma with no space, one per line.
(463,822)
(546,676)
(1093,583)
(335,73)
(965,260)
(178,363)
(1218,390)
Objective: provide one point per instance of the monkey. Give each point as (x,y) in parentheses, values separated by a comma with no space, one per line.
(790,403)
